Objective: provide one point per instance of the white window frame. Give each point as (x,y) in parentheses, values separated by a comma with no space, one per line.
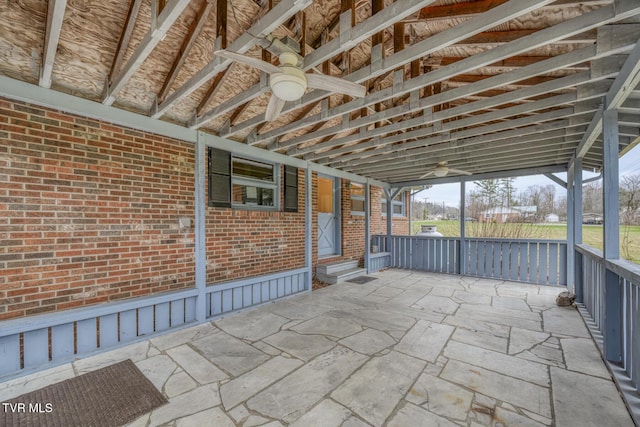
(249,182)
(358,198)
(394,202)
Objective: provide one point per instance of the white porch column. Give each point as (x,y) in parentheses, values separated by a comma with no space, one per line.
(613,291)
(200,228)
(308,223)
(576,225)
(367,226)
(571,259)
(462,252)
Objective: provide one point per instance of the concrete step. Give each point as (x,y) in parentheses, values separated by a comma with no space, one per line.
(334,267)
(341,276)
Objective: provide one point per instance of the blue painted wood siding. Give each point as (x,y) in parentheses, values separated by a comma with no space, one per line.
(38,342)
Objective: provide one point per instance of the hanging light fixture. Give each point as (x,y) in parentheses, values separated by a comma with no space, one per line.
(441,171)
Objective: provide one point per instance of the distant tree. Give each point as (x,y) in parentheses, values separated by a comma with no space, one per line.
(507,192)
(488,190)
(629,198)
(592,197)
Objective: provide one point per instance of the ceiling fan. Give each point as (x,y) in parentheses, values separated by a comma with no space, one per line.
(288,81)
(442,169)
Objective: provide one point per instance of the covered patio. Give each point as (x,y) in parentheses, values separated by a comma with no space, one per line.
(406,349)
(159,202)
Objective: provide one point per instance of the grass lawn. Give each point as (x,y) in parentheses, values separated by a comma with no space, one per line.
(591,234)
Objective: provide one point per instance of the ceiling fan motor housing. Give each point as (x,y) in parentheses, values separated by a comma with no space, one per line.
(290,84)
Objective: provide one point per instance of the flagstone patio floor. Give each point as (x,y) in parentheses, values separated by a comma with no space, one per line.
(407,349)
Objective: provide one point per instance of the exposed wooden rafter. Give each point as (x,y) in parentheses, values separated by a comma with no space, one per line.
(154,36)
(444,38)
(194,31)
(55,16)
(574,26)
(261,28)
(125,37)
(388,16)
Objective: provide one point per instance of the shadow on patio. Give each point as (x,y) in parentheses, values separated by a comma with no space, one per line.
(406,349)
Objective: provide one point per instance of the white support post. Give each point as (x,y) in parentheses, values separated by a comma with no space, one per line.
(462,251)
(200,207)
(577,227)
(571,285)
(613,333)
(367,226)
(611,202)
(308,229)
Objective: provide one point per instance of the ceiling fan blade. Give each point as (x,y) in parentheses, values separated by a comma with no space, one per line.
(274,108)
(335,85)
(461,172)
(426,175)
(248,60)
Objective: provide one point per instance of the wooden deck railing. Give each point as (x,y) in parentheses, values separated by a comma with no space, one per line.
(609,299)
(524,260)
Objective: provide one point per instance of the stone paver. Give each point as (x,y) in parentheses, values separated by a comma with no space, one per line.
(583,400)
(408,349)
(247,385)
(376,389)
(293,396)
(229,353)
(195,365)
(304,347)
(425,340)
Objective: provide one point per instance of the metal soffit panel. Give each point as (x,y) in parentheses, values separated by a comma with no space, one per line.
(486,86)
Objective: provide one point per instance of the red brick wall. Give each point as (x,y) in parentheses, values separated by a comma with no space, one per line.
(400,225)
(352,228)
(89,211)
(244,243)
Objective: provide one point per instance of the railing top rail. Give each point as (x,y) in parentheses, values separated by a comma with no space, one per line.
(485,239)
(623,268)
(589,251)
(30,323)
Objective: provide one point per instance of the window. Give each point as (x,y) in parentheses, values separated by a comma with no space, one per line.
(357,199)
(253,184)
(397,205)
(239,182)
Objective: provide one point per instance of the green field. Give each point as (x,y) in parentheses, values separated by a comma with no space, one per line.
(592,234)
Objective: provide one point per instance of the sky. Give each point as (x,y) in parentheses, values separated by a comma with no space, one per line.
(450,193)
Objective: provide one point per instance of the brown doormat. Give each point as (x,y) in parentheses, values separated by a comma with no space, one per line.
(109,397)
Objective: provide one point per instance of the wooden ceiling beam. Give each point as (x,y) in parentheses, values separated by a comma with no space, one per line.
(404,148)
(481,6)
(499,37)
(624,84)
(194,31)
(261,27)
(388,16)
(125,37)
(500,131)
(458,9)
(480,23)
(221,22)
(154,36)
(55,16)
(515,62)
(218,81)
(439,117)
(559,31)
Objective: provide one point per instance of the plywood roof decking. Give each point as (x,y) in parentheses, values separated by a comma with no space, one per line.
(494,85)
